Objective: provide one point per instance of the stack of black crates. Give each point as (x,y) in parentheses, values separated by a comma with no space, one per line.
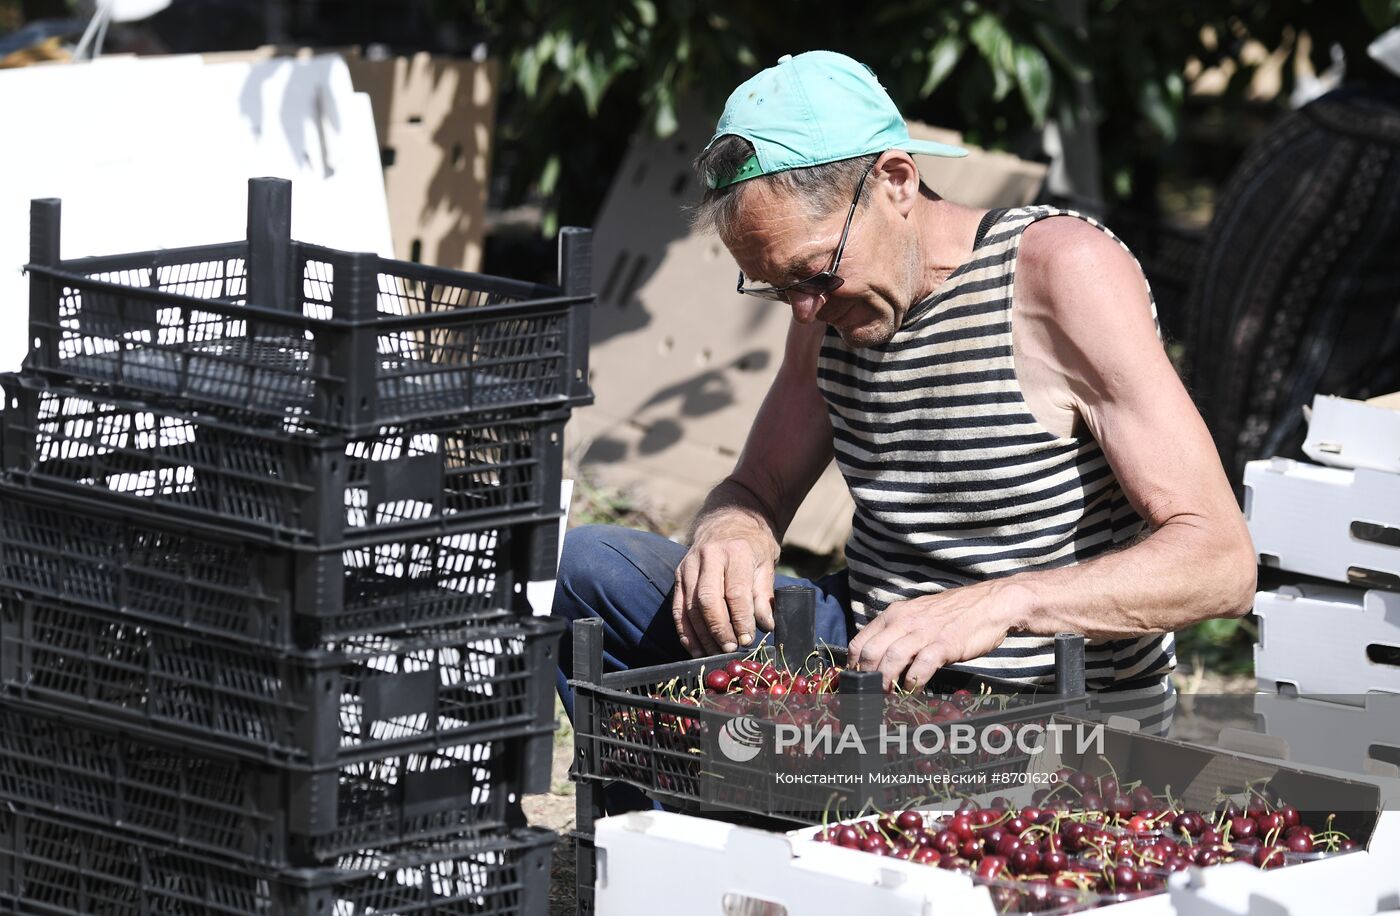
(266,519)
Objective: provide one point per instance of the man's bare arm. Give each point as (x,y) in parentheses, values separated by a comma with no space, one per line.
(1197,562)
(724,585)
(1087,298)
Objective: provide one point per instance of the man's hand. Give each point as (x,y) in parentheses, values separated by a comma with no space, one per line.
(724,586)
(910,640)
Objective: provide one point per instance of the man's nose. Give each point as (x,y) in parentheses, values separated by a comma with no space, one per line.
(805,305)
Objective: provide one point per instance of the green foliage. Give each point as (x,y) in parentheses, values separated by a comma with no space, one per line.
(1225,646)
(586,73)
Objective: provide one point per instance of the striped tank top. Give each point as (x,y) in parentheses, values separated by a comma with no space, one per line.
(954,481)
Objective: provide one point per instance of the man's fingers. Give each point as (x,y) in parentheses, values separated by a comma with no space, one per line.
(899,653)
(685,579)
(707,605)
(689,638)
(857,645)
(924,666)
(871,652)
(763,597)
(739,596)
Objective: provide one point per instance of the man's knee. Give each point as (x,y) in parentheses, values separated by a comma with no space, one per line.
(585,553)
(609,564)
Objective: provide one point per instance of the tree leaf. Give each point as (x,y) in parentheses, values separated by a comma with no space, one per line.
(1381,14)
(942,59)
(990,37)
(592,79)
(664,122)
(1158,113)
(646,12)
(1033,78)
(549,175)
(1065,49)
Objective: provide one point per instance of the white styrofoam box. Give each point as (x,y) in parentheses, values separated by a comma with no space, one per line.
(1327,640)
(1356,884)
(179,139)
(1327,522)
(1346,433)
(654,860)
(1334,733)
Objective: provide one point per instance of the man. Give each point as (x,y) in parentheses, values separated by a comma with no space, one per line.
(1023,459)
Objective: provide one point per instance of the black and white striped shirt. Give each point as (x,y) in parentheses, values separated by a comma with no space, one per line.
(954,480)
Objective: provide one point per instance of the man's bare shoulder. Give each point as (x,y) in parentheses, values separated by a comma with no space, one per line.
(1081,276)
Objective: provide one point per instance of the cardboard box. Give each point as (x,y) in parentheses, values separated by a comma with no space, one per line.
(1320,639)
(680,361)
(1333,523)
(434,117)
(1355,434)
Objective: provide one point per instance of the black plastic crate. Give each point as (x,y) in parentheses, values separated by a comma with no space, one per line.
(263,814)
(296,333)
(57,868)
(666,747)
(282,487)
(268,596)
(355,699)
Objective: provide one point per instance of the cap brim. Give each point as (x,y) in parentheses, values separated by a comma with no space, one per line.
(930,148)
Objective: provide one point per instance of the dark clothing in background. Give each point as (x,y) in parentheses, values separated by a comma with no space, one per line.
(1298,287)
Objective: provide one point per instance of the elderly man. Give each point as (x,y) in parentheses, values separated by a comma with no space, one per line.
(992,385)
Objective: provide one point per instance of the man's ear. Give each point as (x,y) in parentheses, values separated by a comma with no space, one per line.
(899,177)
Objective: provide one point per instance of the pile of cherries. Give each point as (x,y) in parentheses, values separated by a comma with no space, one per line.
(755,686)
(1055,852)
(1157,831)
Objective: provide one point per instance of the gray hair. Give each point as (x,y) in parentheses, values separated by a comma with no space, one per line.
(819,189)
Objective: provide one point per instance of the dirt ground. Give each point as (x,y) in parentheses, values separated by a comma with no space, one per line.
(1198,717)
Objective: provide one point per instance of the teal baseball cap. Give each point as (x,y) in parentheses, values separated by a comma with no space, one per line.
(811,109)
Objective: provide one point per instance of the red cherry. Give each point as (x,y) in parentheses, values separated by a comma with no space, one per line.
(1242,828)
(909,820)
(1299,842)
(1290,815)
(926,855)
(991,867)
(1054,862)
(1024,861)
(962,826)
(717,680)
(1268,823)
(1125,878)
(1269,857)
(947,842)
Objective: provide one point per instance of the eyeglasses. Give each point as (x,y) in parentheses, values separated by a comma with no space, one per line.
(821,284)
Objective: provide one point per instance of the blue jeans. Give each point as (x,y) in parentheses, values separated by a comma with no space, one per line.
(625,578)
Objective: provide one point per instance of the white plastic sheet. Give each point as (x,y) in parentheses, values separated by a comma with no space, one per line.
(157,152)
